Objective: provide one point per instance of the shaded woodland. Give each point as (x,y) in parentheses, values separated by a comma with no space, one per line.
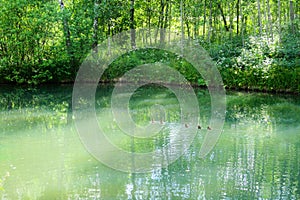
(255,43)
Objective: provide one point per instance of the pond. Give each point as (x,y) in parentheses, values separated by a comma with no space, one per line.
(41,156)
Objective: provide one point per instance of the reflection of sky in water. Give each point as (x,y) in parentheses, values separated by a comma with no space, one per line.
(257,156)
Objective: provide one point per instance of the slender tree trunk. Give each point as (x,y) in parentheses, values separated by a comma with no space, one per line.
(204,19)
(95,32)
(242,26)
(132,25)
(216,27)
(223,17)
(188,28)
(265,19)
(182,25)
(149,20)
(231,20)
(166,15)
(67,34)
(279,17)
(195,23)
(186,20)
(259,17)
(210,21)
(297,12)
(161,21)
(286,11)
(149,14)
(161,15)
(170,19)
(108,28)
(245,22)
(270,20)
(292,16)
(65,23)
(95,24)
(237,16)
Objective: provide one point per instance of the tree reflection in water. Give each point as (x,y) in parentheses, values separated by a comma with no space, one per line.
(256,157)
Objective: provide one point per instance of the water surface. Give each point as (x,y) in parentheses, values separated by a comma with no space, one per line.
(42,157)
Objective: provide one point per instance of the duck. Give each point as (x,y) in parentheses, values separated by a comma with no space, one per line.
(185,125)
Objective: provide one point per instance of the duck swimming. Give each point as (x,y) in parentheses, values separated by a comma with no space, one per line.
(185,125)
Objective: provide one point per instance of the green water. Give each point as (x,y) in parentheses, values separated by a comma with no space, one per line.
(42,157)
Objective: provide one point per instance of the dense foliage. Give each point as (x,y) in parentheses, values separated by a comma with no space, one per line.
(256,44)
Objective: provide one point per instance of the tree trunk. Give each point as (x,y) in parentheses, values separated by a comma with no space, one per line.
(204,19)
(162,21)
(149,20)
(166,15)
(149,14)
(186,20)
(210,21)
(132,25)
(242,26)
(259,17)
(188,28)
(285,12)
(270,20)
(296,8)
(95,33)
(182,25)
(196,22)
(161,15)
(231,6)
(279,17)
(95,24)
(237,16)
(67,34)
(223,17)
(292,16)
(170,19)
(264,20)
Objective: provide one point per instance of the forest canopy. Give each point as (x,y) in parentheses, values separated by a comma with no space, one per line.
(255,43)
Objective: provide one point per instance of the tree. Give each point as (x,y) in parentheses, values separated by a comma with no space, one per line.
(279,16)
(259,17)
(210,21)
(237,16)
(292,16)
(95,23)
(67,32)
(204,18)
(44,41)
(223,16)
(270,23)
(132,24)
